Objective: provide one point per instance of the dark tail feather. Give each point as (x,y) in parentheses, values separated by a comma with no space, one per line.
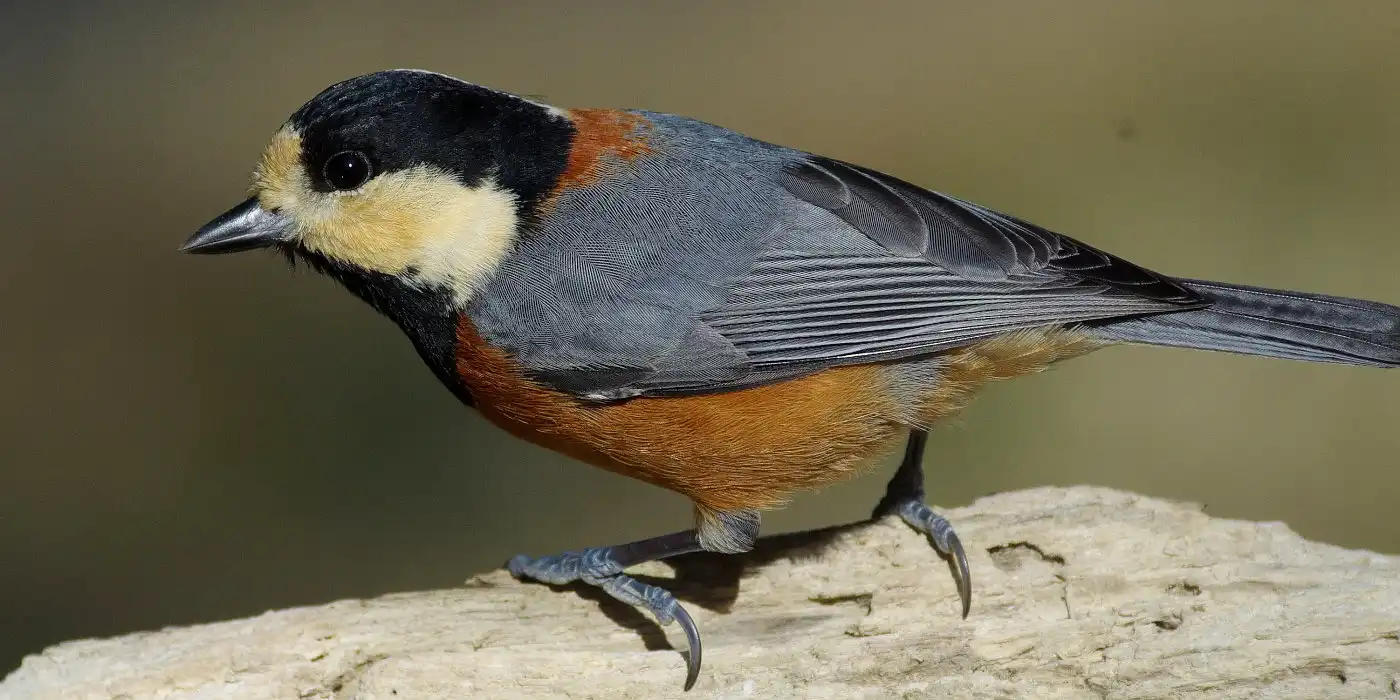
(1272,323)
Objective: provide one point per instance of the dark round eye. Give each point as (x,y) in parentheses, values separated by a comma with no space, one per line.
(347,170)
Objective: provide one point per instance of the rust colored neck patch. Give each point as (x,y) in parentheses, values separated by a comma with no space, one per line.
(603,139)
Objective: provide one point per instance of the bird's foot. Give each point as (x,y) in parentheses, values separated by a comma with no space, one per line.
(598,566)
(937,528)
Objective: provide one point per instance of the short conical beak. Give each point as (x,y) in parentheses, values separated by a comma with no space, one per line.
(244,227)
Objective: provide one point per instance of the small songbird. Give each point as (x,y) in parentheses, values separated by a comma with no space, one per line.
(723,317)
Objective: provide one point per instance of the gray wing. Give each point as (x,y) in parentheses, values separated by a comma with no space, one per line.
(947,272)
(724,262)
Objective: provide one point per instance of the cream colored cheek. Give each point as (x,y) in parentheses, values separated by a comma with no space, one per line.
(382,242)
(467,241)
(449,235)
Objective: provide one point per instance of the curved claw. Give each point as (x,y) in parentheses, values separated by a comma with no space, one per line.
(692,638)
(922,518)
(955,549)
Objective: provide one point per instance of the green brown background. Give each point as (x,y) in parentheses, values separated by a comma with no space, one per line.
(186,439)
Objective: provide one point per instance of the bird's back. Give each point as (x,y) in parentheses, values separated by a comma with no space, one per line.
(680,257)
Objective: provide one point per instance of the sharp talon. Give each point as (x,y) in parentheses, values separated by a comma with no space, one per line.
(905,495)
(692,638)
(922,518)
(955,549)
(603,566)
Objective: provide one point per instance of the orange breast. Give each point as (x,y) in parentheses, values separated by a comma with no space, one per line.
(751,448)
(742,449)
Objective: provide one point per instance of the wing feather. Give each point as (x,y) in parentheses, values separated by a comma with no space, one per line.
(717,262)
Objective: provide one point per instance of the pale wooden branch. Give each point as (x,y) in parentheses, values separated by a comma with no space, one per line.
(1080,593)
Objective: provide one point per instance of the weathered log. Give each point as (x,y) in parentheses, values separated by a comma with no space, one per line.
(1079,593)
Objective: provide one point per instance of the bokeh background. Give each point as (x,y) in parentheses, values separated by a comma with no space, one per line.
(186,439)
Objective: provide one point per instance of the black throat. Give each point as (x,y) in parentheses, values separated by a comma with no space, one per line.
(426,315)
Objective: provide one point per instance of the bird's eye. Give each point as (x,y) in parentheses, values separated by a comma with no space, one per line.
(347,170)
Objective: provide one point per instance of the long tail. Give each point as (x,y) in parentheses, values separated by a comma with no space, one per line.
(1272,323)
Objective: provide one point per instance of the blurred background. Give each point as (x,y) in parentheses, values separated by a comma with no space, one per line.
(187,439)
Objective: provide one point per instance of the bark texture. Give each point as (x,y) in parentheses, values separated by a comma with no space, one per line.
(1078,593)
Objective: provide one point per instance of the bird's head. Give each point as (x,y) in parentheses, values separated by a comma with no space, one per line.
(410,174)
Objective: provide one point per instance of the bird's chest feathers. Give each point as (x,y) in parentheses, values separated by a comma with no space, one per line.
(746,448)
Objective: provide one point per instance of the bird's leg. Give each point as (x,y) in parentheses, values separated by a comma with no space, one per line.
(729,532)
(904,496)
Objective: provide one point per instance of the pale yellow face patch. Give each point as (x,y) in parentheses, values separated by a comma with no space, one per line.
(421,224)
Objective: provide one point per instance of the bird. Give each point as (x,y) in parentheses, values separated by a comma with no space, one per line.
(727,318)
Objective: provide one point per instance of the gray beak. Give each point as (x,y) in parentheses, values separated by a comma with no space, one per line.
(244,227)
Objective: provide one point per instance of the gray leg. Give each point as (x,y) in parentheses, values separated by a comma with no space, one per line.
(729,533)
(905,497)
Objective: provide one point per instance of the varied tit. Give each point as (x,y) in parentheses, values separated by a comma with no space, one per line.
(726,318)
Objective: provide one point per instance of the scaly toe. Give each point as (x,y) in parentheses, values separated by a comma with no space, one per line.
(664,606)
(937,528)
